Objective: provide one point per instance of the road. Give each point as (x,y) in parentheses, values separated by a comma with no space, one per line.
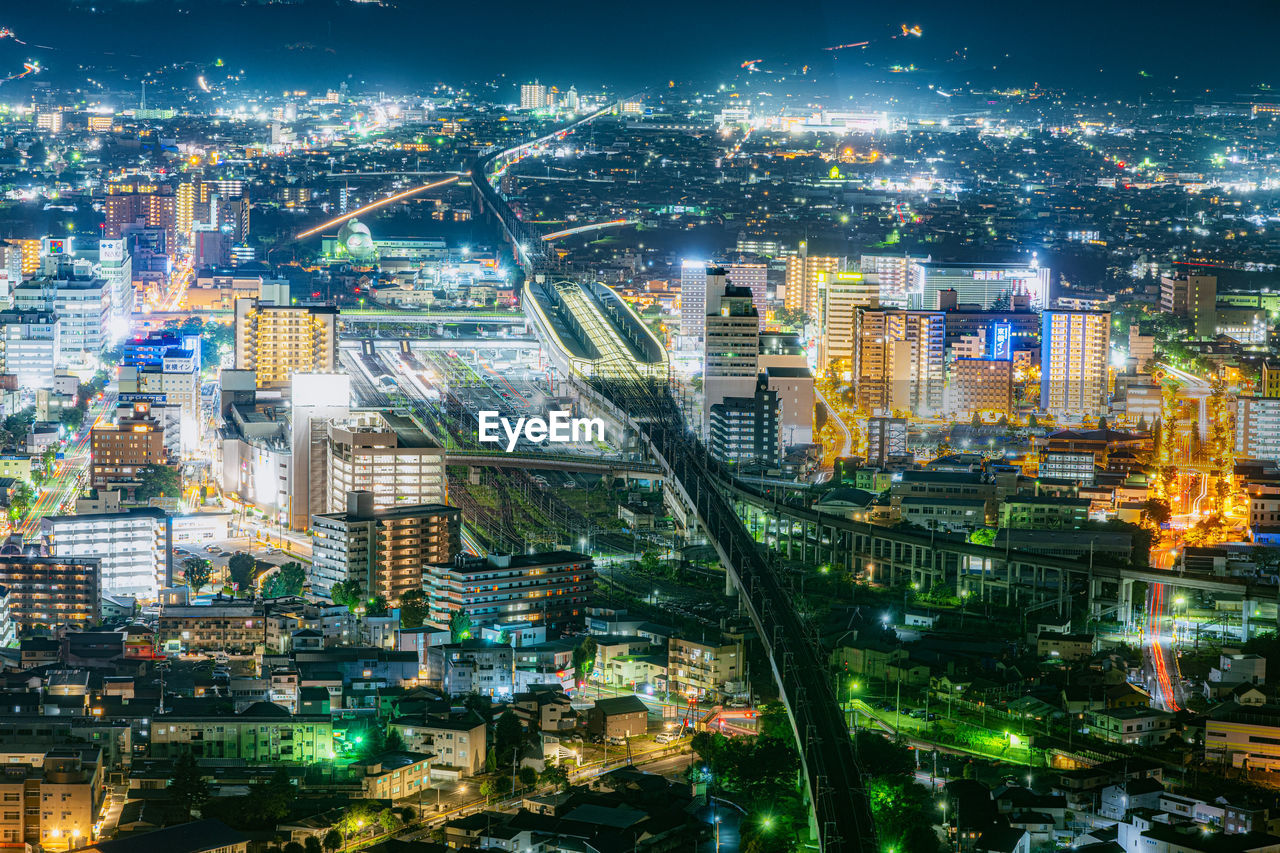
(58,493)
(845,433)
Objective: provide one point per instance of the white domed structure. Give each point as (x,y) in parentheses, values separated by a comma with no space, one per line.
(355,239)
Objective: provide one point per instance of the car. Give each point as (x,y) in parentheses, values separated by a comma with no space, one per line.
(213,549)
(666,737)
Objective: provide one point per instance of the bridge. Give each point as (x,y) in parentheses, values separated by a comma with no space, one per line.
(422,318)
(839,807)
(624,468)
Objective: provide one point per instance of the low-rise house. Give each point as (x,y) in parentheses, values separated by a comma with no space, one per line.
(619,717)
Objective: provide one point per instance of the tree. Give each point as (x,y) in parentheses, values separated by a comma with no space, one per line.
(488,789)
(413,609)
(348,592)
(1102,422)
(508,735)
(983,536)
(556,777)
(332,840)
(584,659)
(20,501)
(158,481)
(312,845)
(287,580)
(293,847)
(197,572)
(479,704)
(240,567)
(1032,421)
(459,626)
(1156,511)
(187,786)
(377,606)
(388,820)
(72,418)
(528,776)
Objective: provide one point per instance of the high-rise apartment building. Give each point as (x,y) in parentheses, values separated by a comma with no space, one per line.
(843,293)
(696,277)
(550,589)
(384,453)
(1194,297)
(980,385)
(1258,427)
(386,551)
(135,547)
(156,209)
(50,591)
(730,357)
(745,430)
(802,291)
(166,367)
(1074,357)
(893,272)
(533,96)
(277,341)
(899,362)
(82,304)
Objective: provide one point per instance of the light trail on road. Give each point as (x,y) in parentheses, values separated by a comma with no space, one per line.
(374,206)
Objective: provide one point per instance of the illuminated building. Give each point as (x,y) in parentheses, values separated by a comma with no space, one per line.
(782,359)
(894,274)
(899,364)
(744,430)
(122,450)
(980,385)
(549,589)
(695,277)
(886,440)
(380,452)
(533,96)
(1270,379)
(82,304)
(53,797)
(184,211)
(386,551)
(277,341)
(730,358)
(49,591)
(135,547)
(157,209)
(1142,350)
(1074,353)
(841,295)
(978,286)
(802,291)
(263,733)
(1258,427)
(1194,297)
(703,668)
(29,347)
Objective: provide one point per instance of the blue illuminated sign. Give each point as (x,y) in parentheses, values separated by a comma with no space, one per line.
(1001,342)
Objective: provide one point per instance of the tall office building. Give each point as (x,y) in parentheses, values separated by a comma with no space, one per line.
(277,341)
(696,277)
(899,362)
(730,364)
(386,551)
(978,285)
(843,293)
(156,209)
(802,292)
(29,347)
(782,359)
(533,96)
(121,450)
(166,368)
(1142,349)
(1074,355)
(1194,297)
(82,304)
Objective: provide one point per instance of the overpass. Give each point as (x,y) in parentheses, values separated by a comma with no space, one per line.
(839,807)
(417,318)
(624,468)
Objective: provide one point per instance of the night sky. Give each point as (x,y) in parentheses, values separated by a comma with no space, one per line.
(1093,47)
